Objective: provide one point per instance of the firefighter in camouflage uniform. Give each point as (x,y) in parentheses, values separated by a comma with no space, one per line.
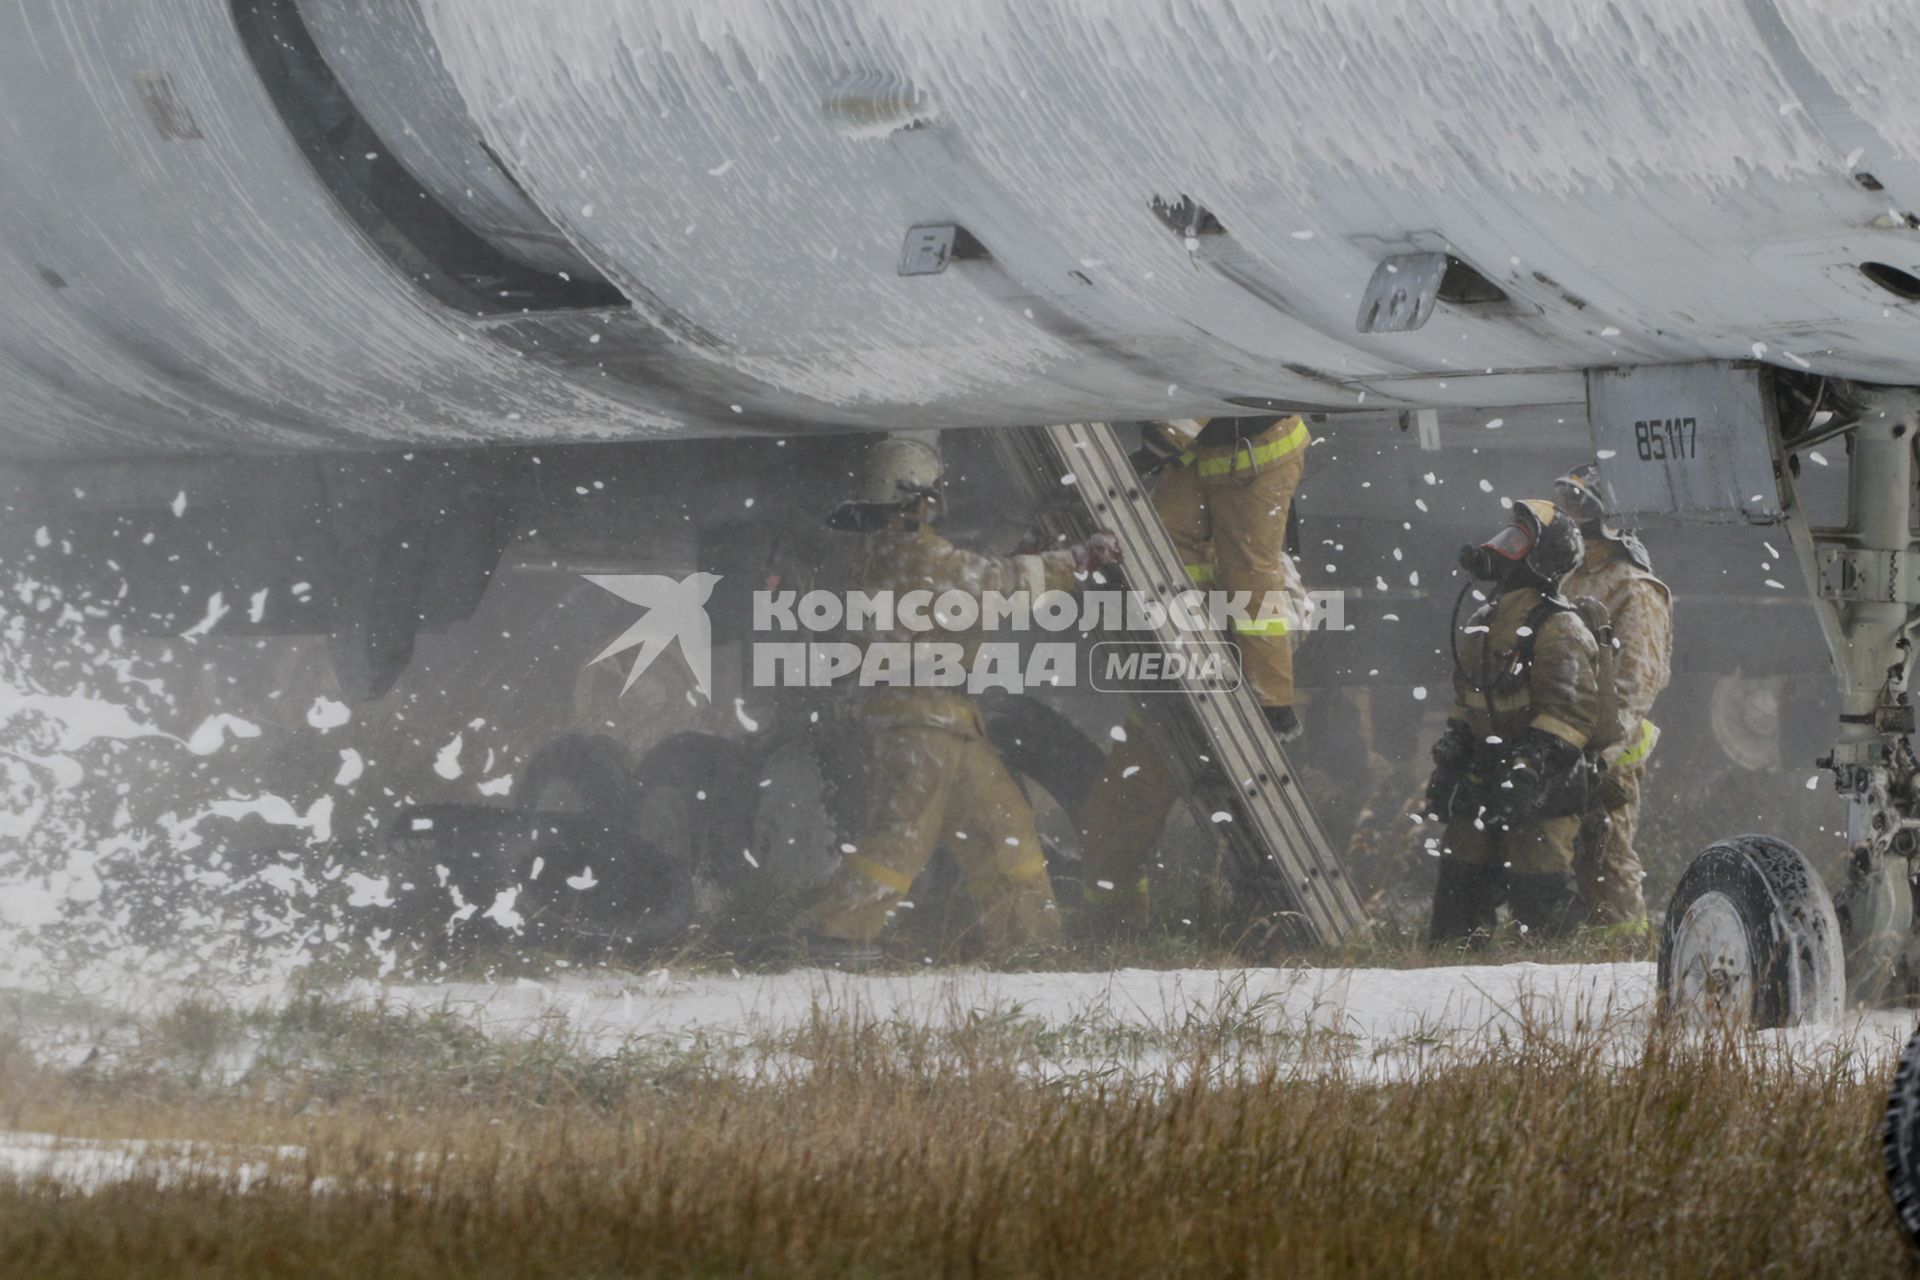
(934,777)
(1615,571)
(1511,775)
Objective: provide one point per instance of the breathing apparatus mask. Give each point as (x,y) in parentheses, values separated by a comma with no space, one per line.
(1541,540)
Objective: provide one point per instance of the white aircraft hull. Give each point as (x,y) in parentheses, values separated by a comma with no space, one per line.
(1645,181)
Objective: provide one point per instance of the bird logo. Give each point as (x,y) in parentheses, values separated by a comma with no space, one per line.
(676,609)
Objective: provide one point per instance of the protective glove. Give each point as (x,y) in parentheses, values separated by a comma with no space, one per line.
(1452,754)
(1611,792)
(1097,552)
(1441,789)
(1454,750)
(1535,757)
(1517,797)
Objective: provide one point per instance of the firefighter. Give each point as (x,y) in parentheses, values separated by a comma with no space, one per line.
(1224,489)
(1511,776)
(934,778)
(1616,571)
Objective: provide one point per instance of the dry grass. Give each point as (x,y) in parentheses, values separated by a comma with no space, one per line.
(421,1149)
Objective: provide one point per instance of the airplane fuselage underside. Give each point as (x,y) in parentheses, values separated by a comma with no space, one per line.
(277,224)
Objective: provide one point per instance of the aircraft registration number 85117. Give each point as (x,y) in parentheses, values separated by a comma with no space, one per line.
(1657,439)
(1688,440)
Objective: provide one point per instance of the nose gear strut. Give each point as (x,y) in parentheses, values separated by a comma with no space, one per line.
(1865,578)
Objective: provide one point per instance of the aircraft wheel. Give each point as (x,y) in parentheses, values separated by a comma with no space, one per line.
(603,892)
(1750,935)
(1875,911)
(604,887)
(696,802)
(810,797)
(580,773)
(1900,1139)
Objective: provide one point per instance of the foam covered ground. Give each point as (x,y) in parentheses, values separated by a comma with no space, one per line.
(1378,1024)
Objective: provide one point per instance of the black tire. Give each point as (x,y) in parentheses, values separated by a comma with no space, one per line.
(579,883)
(1750,935)
(1876,924)
(695,799)
(1900,1139)
(584,790)
(602,891)
(808,794)
(579,773)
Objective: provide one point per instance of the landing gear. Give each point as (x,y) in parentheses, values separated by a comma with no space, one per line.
(1867,596)
(1751,928)
(1876,917)
(1057,766)
(568,867)
(1864,573)
(1751,935)
(610,886)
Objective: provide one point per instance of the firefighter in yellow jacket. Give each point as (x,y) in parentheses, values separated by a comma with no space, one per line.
(1510,773)
(1616,571)
(1223,487)
(934,778)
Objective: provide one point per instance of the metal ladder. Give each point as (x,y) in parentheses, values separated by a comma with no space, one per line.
(1213,737)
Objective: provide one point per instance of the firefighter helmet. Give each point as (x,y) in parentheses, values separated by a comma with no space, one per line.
(1542,537)
(898,470)
(1579,494)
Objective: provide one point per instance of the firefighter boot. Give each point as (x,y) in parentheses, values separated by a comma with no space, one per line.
(1548,903)
(1464,901)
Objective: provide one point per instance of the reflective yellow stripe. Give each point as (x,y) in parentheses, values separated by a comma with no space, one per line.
(1642,743)
(1186,458)
(1254,459)
(1030,868)
(1257,627)
(885,877)
(1200,572)
(994,879)
(1560,729)
(1098,894)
